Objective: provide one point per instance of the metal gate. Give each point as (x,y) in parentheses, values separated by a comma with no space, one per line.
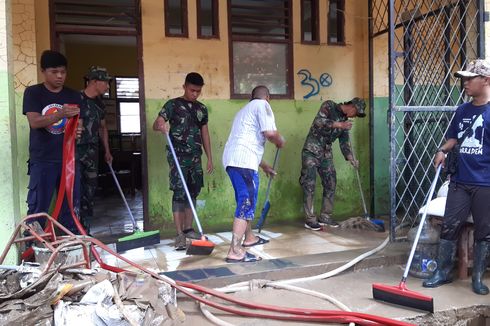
(426,42)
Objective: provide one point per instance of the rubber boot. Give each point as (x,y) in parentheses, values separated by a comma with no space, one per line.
(445,263)
(480,254)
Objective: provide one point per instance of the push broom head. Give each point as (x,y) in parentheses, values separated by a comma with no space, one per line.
(400,295)
(138,239)
(200,247)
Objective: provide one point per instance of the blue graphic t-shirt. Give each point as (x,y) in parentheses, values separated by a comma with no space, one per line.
(471,126)
(46,144)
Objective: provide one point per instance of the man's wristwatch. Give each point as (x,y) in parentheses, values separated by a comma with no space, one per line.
(441,150)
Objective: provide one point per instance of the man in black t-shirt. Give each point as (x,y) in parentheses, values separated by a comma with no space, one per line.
(48,106)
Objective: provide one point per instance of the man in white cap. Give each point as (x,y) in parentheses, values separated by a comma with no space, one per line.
(469,189)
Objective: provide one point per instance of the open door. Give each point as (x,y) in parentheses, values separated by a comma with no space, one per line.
(107,33)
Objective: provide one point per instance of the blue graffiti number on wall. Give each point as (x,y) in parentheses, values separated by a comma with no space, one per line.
(313,83)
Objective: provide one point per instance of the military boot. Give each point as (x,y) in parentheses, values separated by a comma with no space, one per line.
(480,254)
(326,213)
(445,263)
(308,207)
(311,222)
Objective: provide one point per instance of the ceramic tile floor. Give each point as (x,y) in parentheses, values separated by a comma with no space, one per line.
(285,241)
(112,219)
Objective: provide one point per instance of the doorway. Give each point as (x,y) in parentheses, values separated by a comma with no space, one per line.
(107,33)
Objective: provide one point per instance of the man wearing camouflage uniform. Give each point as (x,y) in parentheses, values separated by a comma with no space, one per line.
(188,119)
(329,124)
(92,114)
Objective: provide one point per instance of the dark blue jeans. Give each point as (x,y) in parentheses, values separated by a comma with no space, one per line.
(44,182)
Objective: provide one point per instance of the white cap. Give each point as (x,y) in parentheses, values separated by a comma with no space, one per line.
(478,67)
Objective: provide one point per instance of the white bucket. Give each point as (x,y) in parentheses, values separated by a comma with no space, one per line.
(66,256)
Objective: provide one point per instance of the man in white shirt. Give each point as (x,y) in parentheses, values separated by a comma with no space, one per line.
(252,126)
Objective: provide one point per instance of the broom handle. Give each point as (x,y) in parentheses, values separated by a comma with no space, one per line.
(135,226)
(359,184)
(270,178)
(189,198)
(421,225)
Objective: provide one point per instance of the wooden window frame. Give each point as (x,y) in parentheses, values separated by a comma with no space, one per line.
(185,22)
(289,59)
(316,29)
(215,13)
(340,23)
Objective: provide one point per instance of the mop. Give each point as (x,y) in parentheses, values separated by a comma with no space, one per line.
(196,247)
(365,222)
(139,238)
(400,294)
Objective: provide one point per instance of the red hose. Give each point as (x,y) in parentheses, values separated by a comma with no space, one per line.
(291,314)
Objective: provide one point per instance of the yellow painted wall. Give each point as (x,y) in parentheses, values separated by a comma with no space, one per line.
(24,61)
(118,60)
(43,35)
(168,59)
(347,65)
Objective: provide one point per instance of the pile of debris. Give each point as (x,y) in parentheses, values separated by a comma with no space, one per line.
(62,288)
(84,297)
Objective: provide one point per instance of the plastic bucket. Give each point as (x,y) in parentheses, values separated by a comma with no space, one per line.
(66,256)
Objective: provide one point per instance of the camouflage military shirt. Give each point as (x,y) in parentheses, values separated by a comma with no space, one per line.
(322,135)
(92,110)
(186,119)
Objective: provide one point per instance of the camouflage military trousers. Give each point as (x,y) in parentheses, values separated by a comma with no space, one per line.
(193,174)
(88,157)
(323,164)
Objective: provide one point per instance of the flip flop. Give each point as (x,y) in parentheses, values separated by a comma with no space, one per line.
(248,258)
(260,241)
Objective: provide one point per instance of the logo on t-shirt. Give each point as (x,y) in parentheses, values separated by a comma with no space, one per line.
(59,126)
(473,136)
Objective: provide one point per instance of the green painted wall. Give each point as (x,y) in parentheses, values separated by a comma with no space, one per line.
(216,202)
(9,191)
(381,152)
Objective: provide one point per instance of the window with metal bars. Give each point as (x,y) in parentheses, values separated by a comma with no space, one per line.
(176,18)
(336,22)
(260,47)
(309,22)
(127,95)
(207,19)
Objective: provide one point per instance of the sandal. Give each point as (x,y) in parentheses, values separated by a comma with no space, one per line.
(248,258)
(260,241)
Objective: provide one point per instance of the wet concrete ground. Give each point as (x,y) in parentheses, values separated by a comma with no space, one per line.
(295,252)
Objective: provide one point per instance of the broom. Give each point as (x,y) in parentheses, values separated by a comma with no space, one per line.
(196,247)
(139,238)
(400,294)
(267,204)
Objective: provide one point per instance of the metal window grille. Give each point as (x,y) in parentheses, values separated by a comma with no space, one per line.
(428,40)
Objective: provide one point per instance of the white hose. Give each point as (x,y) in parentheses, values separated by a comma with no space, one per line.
(285,284)
(245,285)
(212,318)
